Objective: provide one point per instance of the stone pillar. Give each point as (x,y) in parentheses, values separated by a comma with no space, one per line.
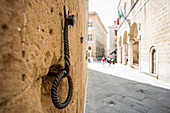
(124,54)
(130,54)
(139,56)
(119,54)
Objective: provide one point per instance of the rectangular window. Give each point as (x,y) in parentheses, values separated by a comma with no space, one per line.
(89,24)
(90,37)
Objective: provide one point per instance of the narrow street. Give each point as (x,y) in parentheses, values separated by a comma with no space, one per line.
(109,93)
(85,56)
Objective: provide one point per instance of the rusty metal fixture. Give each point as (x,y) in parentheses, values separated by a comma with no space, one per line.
(54,95)
(64,72)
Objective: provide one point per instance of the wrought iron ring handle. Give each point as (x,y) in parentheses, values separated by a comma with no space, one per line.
(69,20)
(54,96)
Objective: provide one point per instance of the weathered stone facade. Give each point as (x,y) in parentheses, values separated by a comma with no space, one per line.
(112,40)
(97,37)
(31,40)
(144,38)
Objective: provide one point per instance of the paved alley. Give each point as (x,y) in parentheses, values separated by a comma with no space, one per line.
(108,93)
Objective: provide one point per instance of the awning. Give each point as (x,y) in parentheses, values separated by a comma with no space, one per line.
(113,52)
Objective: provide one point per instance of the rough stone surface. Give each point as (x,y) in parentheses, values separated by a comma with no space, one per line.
(110,94)
(31,40)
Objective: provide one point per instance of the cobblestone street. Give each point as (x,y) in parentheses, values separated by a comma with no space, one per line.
(107,93)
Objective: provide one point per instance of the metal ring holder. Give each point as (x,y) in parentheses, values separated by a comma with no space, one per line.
(69,20)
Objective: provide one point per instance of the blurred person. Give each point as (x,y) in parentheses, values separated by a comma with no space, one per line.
(103,61)
(108,58)
(109,62)
(112,61)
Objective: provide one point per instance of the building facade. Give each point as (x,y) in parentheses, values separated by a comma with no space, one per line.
(31,45)
(113,40)
(144,37)
(97,37)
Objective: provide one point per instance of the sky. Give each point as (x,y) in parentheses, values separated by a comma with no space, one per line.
(107,11)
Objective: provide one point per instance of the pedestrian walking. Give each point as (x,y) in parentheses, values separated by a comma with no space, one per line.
(103,61)
(108,58)
(112,61)
(109,62)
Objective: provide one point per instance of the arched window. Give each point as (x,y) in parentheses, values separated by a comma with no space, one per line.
(154,61)
(153,69)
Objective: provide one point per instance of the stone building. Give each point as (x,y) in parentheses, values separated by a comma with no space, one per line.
(97,37)
(31,41)
(144,37)
(112,40)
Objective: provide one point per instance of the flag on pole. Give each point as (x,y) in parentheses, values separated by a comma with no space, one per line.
(119,14)
(123,15)
(118,21)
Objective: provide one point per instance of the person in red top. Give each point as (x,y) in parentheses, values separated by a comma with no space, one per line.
(103,61)
(109,62)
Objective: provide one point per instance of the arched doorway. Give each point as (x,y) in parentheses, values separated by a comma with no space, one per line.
(125,48)
(153,71)
(153,61)
(133,38)
(136,53)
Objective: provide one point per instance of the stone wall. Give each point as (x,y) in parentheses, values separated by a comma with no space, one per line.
(31,41)
(156,34)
